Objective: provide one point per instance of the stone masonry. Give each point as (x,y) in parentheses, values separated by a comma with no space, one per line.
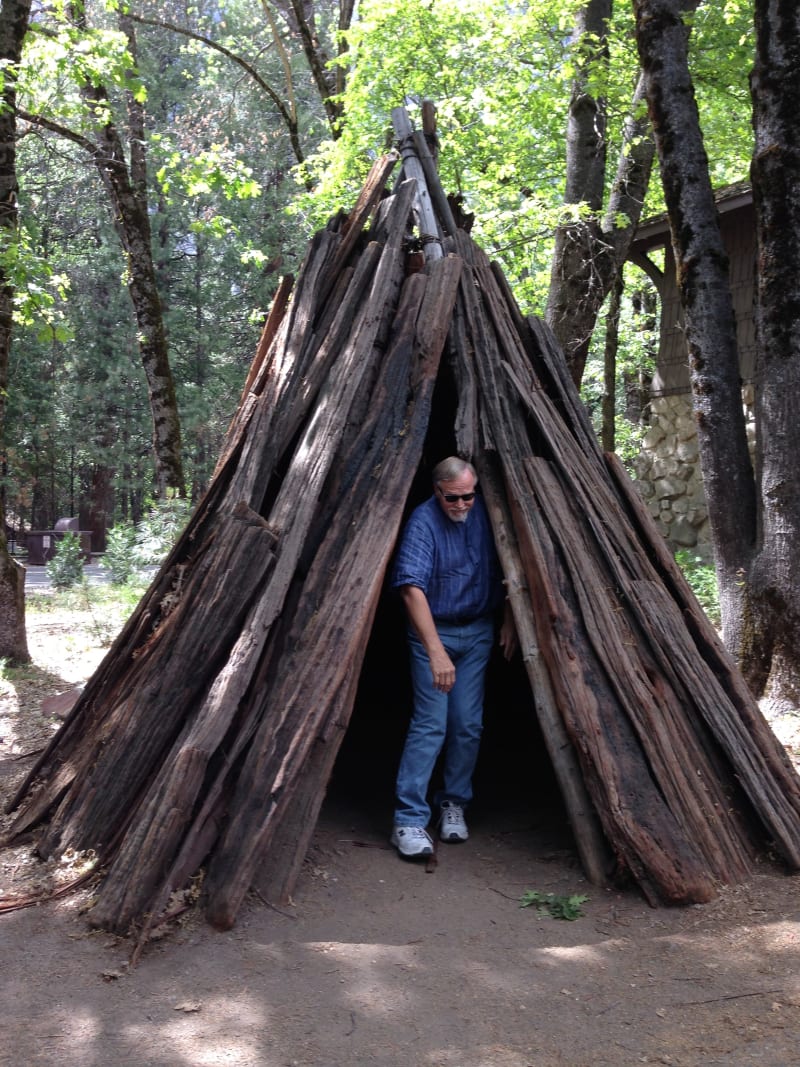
(668,474)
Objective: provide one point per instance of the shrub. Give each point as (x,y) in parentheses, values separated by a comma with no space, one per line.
(65,569)
(120,555)
(133,549)
(702,577)
(159,531)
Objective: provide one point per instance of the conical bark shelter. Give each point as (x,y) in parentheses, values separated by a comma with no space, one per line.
(207,736)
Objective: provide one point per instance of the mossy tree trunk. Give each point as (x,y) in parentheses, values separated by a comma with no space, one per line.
(13,27)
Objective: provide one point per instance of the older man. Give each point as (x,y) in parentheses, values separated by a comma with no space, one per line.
(450,582)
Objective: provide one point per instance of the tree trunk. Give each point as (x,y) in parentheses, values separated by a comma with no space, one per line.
(608,431)
(13,27)
(589,253)
(755,519)
(133,227)
(703,278)
(576,269)
(300,17)
(771,633)
(126,187)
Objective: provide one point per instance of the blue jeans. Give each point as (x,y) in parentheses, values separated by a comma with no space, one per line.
(453,720)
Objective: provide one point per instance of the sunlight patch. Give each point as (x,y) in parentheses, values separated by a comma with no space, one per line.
(208,1032)
(578,953)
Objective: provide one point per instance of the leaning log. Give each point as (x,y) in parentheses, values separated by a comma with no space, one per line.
(590,842)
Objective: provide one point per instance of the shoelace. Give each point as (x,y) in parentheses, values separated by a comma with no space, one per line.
(416,832)
(452,815)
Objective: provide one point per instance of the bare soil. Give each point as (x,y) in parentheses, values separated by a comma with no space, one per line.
(380,962)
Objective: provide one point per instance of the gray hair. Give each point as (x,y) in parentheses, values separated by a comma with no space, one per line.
(451,468)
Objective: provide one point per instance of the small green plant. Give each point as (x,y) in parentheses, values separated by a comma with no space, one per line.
(160,529)
(65,569)
(120,555)
(702,578)
(557,907)
(131,549)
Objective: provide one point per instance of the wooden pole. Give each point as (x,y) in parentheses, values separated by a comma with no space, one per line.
(429,233)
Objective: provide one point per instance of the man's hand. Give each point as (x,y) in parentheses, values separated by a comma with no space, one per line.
(419,613)
(443,671)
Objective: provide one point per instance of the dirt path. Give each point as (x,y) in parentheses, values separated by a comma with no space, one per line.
(380,963)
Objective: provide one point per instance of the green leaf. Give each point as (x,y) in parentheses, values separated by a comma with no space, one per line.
(557,907)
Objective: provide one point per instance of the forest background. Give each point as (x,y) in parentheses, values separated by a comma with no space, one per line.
(171,161)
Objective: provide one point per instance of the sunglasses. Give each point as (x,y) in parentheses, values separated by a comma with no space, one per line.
(451,498)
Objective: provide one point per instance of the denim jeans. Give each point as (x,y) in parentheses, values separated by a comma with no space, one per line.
(453,720)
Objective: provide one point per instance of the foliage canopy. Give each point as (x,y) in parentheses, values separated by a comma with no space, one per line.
(231,208)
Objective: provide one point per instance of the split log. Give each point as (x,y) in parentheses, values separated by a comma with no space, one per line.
(250,578)
(590,841)
(229,555)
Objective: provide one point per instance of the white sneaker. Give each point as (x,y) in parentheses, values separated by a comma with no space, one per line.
(452,826)
(412,841)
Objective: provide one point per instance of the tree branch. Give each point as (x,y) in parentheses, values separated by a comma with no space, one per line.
(56,127)
(285,113)
(317,60)
(287,67)
(633,173)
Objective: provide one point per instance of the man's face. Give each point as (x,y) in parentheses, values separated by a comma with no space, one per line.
(457,508)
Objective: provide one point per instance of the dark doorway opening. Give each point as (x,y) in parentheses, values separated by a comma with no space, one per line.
(515,787)
(514,784)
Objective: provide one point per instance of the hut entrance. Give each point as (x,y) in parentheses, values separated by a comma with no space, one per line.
(515,787)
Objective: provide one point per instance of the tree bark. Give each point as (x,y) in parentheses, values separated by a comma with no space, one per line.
(13,27)
(702,266)
(770,650)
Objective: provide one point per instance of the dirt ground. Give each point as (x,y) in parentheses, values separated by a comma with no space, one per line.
(379,962)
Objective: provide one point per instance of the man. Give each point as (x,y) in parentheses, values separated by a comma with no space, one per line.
(450,583)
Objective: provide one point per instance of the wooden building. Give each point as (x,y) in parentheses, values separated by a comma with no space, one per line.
(737,223)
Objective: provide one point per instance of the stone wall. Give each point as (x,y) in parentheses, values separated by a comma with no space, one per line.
(668,472)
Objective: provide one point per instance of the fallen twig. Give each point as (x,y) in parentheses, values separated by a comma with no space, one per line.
(728,996)
(18,903)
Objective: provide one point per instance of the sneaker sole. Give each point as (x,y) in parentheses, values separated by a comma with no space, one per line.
(424,855)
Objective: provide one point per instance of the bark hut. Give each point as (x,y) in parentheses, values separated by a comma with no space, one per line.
(207,736)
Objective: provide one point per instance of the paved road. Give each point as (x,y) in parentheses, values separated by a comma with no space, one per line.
(37,577)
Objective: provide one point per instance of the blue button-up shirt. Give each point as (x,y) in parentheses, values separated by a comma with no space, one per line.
(454,563)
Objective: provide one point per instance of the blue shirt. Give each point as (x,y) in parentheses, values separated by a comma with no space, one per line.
(453,563)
